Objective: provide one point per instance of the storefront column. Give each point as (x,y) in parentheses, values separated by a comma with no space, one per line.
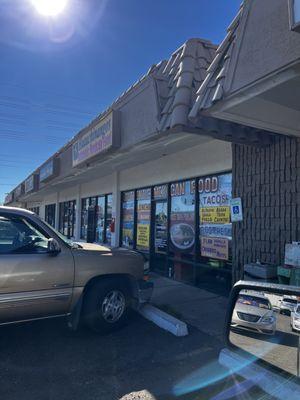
(57,212)
(78,213)
(115,237)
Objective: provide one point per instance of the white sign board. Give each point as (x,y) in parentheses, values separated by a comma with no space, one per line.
(236,210)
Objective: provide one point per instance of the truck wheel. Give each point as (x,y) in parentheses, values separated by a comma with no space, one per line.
(106,306)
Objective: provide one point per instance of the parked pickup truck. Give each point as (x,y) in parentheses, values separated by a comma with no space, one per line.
(44,275)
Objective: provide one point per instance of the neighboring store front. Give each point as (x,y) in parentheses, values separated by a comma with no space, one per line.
(67,218)
(96,219)
(36,210)
(183,227)
(50,214)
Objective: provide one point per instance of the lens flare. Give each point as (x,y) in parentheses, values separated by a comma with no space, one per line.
(50,8)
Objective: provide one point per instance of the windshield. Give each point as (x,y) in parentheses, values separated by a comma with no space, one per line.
(67,241)
(254,301)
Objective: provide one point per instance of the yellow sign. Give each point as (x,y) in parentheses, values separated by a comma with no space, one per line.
(143,236)
(214,248)
(215,215)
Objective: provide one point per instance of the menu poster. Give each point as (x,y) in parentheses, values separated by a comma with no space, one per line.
(143,236)
(143,219)
(161,226)
(214,248)
(128,219)
(214,199)
(182,220)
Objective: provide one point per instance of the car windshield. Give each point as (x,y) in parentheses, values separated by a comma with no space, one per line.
(67,241)
(254,301)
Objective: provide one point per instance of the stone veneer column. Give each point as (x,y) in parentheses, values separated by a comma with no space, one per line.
(268,181)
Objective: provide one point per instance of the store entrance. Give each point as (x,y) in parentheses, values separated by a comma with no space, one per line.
(159,249)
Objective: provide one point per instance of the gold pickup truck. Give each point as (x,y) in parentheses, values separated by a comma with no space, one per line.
(45,275)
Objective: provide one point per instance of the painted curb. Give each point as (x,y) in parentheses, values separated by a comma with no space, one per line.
(164,320)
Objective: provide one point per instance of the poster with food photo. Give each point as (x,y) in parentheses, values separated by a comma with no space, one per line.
(182,219)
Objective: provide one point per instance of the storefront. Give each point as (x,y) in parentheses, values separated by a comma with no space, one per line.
(96,219)
(67,218)
(141,176)
(50,214)
(183,227)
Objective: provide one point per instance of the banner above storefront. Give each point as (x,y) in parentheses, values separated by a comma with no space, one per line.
(102,137)
(31,184)
(19,191)
(8,198)
(49,170)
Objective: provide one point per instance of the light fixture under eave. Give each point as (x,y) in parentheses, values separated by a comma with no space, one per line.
(49,8)
(294,15)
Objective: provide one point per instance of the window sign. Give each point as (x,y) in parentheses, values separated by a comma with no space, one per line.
(160,192)
(143,219)
(214,248)
(84,218)
(182,219)
(100,219)
(215,223)
(128,219)
(161,226)
(214,202)
(109,207)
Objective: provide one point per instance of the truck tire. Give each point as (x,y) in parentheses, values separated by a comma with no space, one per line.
(106,306)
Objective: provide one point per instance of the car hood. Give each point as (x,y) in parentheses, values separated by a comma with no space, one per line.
(252,310)
(92,246)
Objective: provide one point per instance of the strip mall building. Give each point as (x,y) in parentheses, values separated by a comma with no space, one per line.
(157,170)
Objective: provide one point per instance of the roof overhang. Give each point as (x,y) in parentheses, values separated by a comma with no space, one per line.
(271,104)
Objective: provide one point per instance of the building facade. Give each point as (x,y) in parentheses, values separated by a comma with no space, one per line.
(142,176)
(254,80)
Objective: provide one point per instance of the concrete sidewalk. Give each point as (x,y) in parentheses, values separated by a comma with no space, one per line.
(197,307)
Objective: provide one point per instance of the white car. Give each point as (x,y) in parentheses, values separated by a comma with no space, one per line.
(253,312)
(288,304)
(295,319)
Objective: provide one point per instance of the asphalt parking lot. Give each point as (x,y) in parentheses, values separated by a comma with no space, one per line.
(44,360)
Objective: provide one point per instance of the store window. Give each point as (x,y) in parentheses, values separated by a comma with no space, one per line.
(143,197)
(36,210)
(50,210)
(160,197)
(215,223)
(100,220)
(84,218)
(182,229)
(67,218)
(128,210)
(96,217)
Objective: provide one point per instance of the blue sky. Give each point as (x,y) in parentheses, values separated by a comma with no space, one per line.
(56,75)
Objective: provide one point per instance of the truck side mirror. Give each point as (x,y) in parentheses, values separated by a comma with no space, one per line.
(263,326)
(53,248)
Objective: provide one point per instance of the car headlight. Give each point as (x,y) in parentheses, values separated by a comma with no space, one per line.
(268,319)
(296,319)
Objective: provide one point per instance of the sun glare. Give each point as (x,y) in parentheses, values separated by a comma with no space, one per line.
(49,8)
